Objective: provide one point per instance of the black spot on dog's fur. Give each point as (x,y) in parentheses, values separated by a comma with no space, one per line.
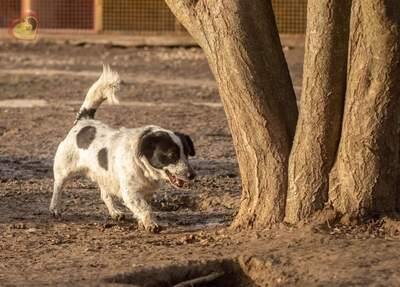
(86,114)
(159,149)
(85,137)
(102,157)
(188,147)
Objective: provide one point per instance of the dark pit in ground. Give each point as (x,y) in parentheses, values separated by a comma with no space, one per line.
(214,273)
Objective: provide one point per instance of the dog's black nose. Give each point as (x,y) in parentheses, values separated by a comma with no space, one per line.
(191,175)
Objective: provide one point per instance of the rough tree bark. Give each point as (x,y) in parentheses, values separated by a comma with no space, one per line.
(321,107)
(363,180)
(242,45)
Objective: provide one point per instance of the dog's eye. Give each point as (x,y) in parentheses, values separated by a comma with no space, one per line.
(168,157)
(164,159)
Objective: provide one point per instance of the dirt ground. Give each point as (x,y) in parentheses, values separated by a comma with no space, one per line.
(41,88)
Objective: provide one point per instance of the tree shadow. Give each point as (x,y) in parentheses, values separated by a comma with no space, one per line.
(25,168)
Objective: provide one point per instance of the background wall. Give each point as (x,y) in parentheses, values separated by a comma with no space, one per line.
(136,16)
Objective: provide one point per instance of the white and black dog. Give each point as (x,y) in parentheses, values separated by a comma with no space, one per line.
(128,164)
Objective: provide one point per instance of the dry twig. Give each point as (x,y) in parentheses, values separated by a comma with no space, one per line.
(203,279)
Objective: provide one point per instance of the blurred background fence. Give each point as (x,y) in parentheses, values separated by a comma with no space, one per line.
(142,17)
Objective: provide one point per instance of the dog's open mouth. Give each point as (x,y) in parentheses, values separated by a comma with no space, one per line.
(174,180)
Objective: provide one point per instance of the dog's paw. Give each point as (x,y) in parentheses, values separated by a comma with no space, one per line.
(150,226)
(117,216)
(55,212)
(154,228)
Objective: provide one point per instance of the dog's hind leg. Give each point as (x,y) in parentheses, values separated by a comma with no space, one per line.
(64,166)
(59,182)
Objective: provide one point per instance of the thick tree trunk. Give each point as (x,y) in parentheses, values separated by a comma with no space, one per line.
(321,107)
(363,180)
(346,149)
(243,48)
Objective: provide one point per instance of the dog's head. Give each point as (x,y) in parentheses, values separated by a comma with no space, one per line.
(167,153)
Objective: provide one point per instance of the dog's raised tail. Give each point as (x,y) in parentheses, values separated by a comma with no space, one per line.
(103,89)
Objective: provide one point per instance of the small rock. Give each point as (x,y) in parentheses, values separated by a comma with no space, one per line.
(188,239)
(257,235)
(107,225)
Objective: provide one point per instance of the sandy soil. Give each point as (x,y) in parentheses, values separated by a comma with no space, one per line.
(41,87)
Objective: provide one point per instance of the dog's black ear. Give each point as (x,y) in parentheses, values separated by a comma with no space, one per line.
(146,144)
(188,147)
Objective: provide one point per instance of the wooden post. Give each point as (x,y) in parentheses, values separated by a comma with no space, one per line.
(98,15)
(26,6)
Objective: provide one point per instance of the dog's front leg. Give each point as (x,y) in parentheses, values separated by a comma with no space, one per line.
(136,203)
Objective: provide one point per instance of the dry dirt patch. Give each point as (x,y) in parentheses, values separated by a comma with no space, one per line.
(86,248)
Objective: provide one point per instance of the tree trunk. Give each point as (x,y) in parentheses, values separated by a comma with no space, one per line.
(321,107)
(346,149)
(242,45)
(363,180)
